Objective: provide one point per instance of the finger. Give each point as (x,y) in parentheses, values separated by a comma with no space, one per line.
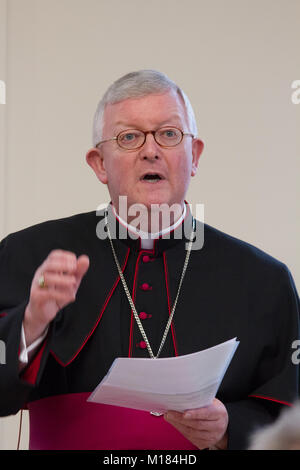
(61,253)
(55,280)
(201,414)
(191,415)
(83,263)
(200,439)
(61,299)
(197,424)
(209,412)
(59,266)
(66,257)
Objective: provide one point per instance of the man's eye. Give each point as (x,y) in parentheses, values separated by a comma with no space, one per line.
(169,133)
(128,137)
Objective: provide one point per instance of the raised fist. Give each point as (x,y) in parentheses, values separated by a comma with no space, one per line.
(55,284)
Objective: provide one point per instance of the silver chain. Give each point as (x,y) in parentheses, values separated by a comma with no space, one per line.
(130,299)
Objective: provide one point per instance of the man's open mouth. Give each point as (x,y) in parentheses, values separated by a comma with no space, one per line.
(152,177)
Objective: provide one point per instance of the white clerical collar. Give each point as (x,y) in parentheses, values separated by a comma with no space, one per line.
(147,239)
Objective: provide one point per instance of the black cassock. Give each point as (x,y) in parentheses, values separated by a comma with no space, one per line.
(231,289)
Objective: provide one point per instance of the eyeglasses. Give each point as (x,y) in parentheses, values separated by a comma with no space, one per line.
(132,139)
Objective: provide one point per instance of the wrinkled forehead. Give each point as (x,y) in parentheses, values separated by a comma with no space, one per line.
(146,113)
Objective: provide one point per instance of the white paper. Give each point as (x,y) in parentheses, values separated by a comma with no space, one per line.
(157,385)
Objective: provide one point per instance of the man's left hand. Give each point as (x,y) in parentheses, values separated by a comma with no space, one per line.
(205,427)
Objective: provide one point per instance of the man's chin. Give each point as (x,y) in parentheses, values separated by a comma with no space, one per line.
(154,211)
(154,204)
(154,201)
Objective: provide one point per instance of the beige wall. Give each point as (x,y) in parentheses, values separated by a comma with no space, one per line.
(3,36)
(236,59)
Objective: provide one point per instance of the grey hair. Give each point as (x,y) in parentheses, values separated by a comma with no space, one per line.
(139,84)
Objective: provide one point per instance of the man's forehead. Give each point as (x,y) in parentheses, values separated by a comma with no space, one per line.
(171,117)
(161,109)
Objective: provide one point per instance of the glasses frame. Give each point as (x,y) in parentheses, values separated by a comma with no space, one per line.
(145,136)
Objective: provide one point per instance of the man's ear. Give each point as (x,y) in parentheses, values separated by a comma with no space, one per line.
(197,149)
(95,160)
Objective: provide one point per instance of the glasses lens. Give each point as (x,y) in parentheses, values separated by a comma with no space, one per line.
(168,136)
(131,139)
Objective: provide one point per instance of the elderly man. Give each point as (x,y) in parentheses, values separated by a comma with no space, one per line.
(65,315)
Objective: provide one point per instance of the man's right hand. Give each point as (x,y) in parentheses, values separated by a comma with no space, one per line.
(62,273)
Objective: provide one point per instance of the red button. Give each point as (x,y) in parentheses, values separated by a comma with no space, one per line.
(146,258)
(145,286)
(142,345)
(143,315)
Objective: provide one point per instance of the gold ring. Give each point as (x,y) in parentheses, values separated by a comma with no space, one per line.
(42,281)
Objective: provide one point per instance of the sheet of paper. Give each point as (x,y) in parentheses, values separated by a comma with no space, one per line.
(157,385)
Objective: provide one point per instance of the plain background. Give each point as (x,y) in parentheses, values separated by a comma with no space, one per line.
(235,59)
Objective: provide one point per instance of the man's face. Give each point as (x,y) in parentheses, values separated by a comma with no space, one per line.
(123,171)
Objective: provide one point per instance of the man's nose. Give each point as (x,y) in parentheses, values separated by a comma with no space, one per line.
(150,149)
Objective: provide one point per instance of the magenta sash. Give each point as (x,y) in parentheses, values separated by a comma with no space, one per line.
(69,422)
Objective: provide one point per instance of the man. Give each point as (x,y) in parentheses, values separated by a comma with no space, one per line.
(62,302)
